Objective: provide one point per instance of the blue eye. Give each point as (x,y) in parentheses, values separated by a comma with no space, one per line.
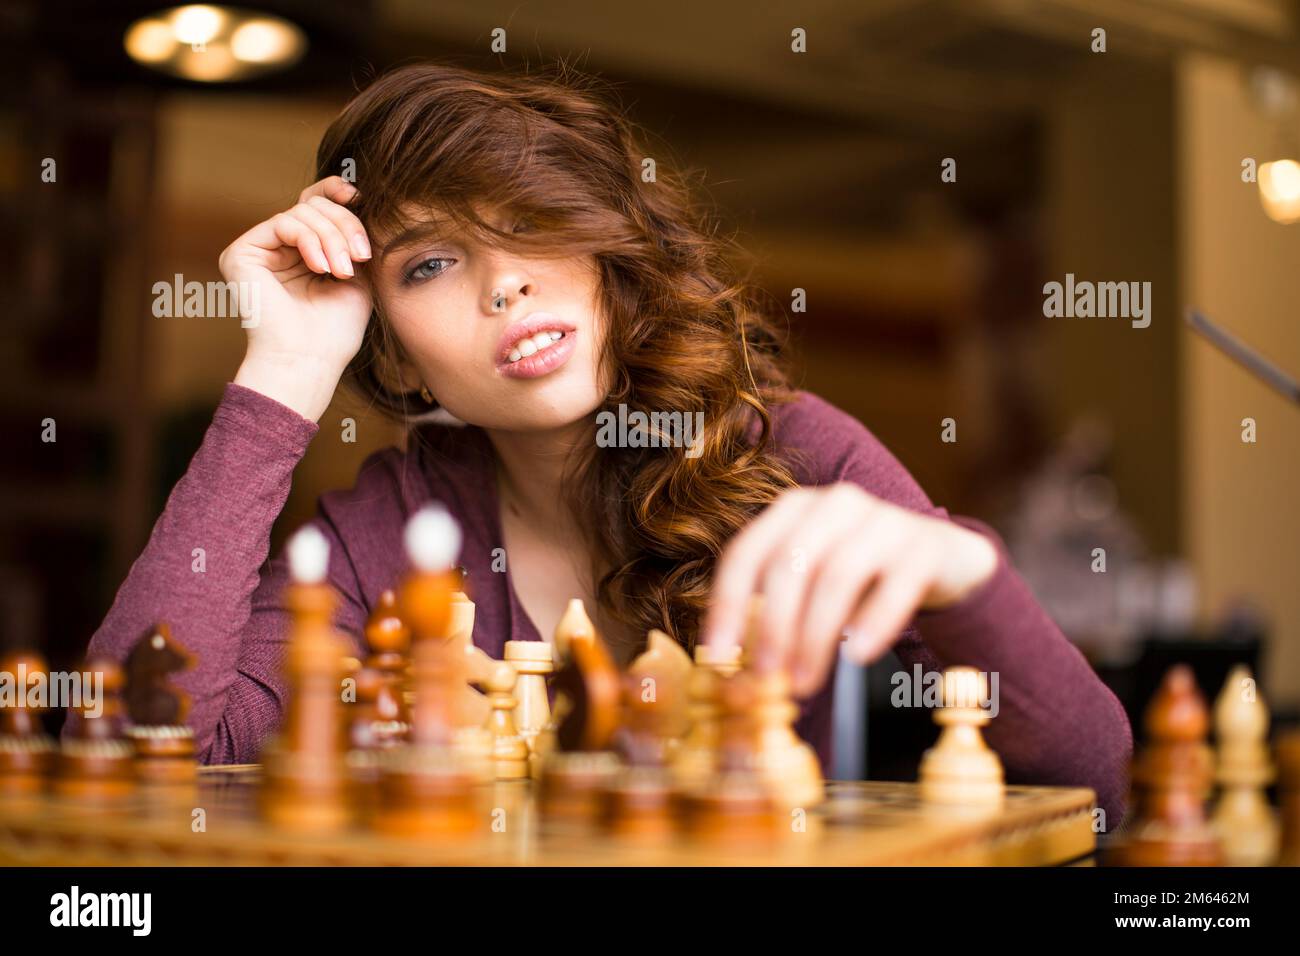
(423,271)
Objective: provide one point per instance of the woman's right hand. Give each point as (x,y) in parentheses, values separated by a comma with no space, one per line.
(311,311)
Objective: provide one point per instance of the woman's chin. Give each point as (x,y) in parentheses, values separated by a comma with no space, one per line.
(539,412)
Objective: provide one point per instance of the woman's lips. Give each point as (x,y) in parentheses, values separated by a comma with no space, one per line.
(541,363)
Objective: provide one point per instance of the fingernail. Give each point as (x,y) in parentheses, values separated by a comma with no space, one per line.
(345,267)
(360,247)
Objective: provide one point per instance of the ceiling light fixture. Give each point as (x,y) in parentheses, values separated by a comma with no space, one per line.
(215,44)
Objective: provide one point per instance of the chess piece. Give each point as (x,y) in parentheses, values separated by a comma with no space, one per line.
(379,715)
(574,624)
(473,736)
(370,724)
(367,738)
(588,695)
(509,752)
(426,787)
(27,753)
(1243,819)
(733,805)
(470,736)
(95,763)
(664,669)
(787,763)
(533,662)
(588,690)
(694,761)
(639,800)
(306,783)
(389,640)
(474,706)
(655,714)
(1288,786)
(789,767)
(960,771)
(156,710)
(1171,780)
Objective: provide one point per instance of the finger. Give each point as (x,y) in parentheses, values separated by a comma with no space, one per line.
(787,578)
(888,607)
(333,241)
(334,188)
(736,573)
(841,582)
(346,222)
(284,230)
(841,578)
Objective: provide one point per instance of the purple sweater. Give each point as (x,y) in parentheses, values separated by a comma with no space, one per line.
(1057,722)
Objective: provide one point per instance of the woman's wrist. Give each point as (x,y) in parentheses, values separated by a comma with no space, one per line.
(305,385)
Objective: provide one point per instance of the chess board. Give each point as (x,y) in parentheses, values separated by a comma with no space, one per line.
(859,824)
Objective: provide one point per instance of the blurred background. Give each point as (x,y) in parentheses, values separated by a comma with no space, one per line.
(1127,156)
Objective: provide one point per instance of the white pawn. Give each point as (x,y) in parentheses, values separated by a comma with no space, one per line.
(509,751)
(1246,826)
(309,555)
(432,538)
(960,770)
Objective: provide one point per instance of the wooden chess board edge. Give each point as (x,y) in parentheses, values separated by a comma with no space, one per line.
(1038,826)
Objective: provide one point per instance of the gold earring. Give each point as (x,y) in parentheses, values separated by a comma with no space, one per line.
(426,394)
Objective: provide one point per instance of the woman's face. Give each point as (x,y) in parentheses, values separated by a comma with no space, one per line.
(502,341)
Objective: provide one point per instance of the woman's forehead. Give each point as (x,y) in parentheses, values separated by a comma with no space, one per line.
(419,222)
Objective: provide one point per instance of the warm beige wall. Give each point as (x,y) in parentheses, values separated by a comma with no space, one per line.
(1240,508)
(1110,214)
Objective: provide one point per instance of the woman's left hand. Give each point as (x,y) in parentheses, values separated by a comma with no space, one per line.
(836,561)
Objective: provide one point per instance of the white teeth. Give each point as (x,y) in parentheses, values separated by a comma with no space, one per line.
(534,344)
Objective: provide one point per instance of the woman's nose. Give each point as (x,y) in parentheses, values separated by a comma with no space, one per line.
(509,285)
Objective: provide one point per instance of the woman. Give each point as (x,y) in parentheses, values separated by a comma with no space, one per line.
(504,260)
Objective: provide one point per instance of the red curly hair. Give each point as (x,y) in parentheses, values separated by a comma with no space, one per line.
(685,333)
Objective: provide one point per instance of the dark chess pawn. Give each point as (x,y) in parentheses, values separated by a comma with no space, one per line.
(379,718)
(639,800)
(372,730)
(389,639)
(734,805)
(1172,778)
(95,762)
(156,711)
(26,751)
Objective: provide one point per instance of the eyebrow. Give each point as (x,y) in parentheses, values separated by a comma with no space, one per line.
(425,230)
(414,235)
